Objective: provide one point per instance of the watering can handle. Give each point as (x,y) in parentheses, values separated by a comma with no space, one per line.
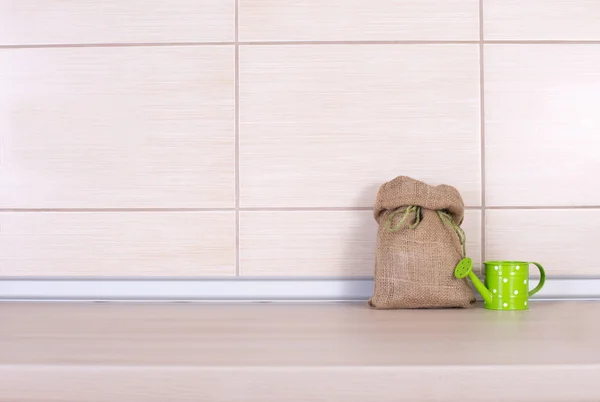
(542,279)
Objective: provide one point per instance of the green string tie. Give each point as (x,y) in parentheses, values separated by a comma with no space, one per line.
(409,210)
(444,216)
(448,220)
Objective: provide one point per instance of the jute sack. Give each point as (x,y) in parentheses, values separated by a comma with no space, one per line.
(419,243)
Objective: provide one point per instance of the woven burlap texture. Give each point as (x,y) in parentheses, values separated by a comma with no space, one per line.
(415,261)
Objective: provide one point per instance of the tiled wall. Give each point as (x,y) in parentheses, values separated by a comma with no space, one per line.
(207,137)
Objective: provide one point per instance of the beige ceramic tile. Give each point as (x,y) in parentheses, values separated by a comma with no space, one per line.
(563,241)
(117,127)
(27,22)
(320,243)
(326,125)
(315,20)
(542,124)
(117,244)
(541,19)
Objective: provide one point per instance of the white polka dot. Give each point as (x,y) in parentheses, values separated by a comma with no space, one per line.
(494,290)
(516,292)
(525,281)
(518,267)
(496,267)
(512,273)
(505,304)
(505,280)
(525,303)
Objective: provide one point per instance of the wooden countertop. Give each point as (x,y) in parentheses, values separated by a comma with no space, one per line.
(305,352)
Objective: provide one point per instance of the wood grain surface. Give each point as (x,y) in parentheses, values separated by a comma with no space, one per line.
(239,352)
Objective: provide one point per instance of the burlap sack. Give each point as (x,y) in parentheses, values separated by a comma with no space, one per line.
(419,243)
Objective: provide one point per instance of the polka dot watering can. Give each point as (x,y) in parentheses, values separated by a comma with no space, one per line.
(506,283)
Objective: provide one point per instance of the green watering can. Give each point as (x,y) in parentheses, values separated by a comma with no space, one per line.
(506,283)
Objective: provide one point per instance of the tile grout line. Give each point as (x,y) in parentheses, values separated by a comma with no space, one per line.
(250,278)
(237,140)
(282,209)
(482,136)
(115,44)
(237,42)
(542,207)
(541,42)
(300,43)
(360,42)
(100,210)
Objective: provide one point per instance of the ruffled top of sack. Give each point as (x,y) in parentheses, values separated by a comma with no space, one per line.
(404,191)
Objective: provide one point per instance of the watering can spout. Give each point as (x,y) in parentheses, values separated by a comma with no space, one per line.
(464,269)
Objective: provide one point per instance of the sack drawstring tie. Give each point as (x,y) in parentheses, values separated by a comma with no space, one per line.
(444,216)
